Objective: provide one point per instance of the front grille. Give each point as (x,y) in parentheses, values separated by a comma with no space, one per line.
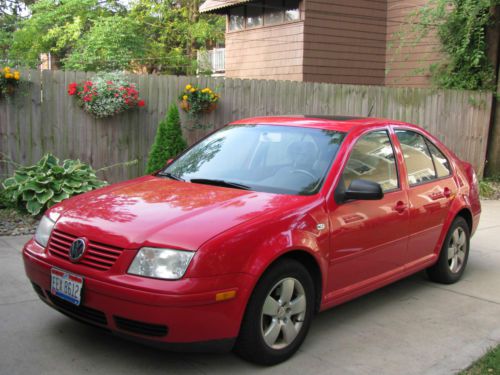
(79,312)
(141,328)
(97,255)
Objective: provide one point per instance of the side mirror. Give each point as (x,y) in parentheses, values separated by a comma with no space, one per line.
(363,190)
(169,161)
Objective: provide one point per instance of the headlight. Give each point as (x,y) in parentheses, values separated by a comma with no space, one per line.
(43,231)
(161,263)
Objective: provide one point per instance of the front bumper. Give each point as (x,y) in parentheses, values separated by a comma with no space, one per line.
(179,314)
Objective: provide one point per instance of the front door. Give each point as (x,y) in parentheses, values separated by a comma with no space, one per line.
(368,238)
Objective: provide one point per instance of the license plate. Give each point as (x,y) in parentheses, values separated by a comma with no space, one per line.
(66,285)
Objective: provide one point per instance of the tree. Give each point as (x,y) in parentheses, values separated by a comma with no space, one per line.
(159,35)
(57,26)
(112,43)
(168,140)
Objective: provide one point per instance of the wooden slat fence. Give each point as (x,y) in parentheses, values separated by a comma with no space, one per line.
(43,118)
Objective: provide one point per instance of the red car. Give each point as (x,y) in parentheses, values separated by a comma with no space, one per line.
(246,235)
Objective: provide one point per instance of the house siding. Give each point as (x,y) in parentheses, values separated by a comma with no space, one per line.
(345,41)
(408,64)
(273,52)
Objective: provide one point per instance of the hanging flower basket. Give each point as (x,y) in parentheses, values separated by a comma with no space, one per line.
(9,81)
(186,107)
(195,101)
(106,95)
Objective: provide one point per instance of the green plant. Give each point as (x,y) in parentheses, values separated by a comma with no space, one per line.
(37,187)
(168,141)
(485,189)
(461,27)
(195,101)
(106,95)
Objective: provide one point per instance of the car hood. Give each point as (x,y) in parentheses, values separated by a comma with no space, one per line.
(153,211)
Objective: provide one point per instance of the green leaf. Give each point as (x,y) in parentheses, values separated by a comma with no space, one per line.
(28,195)
(9,182)
(59,197)
(32,185)
(34,207)
(45,196)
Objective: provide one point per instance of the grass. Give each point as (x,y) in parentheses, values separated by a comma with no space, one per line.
(489,364)
(489,188)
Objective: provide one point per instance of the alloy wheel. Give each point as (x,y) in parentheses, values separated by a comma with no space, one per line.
(457,248)
(283,313)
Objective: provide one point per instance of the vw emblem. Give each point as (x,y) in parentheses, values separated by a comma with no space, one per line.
(77,249)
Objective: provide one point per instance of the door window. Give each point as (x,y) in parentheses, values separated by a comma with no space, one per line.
(440,162)
(372,159)
(418,159)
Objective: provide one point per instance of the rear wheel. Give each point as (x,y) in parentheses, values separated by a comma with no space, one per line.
(454,254)
(278,314)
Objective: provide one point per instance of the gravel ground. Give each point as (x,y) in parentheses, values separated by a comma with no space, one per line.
(13,223)
(495,191)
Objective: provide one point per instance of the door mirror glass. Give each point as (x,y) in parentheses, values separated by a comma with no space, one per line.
(363,190)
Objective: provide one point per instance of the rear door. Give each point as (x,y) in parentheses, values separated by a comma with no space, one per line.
(431,188)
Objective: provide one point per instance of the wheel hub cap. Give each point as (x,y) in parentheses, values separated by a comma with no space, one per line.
(283,313)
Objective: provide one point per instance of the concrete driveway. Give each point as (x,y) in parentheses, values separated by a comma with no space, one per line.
(411,327)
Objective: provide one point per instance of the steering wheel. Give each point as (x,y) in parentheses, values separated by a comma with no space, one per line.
(303,171)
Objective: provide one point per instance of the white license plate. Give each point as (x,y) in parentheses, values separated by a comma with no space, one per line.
(66,285)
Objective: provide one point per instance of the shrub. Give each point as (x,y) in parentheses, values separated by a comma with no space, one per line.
(196,101)
(168,141)
(37,187)
(106,95)
(9,80)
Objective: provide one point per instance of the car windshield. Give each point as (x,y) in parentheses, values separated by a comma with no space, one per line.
(275,159)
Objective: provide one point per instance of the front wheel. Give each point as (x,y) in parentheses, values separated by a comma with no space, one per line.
(454,254)
(278,314)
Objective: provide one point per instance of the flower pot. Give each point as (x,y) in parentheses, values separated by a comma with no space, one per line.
(185,106)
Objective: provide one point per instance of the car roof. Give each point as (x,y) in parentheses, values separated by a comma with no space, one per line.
(340,123)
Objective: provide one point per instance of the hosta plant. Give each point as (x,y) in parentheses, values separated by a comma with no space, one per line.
(106,95)
(37,187)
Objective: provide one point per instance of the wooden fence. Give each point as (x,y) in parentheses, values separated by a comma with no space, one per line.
(43,118)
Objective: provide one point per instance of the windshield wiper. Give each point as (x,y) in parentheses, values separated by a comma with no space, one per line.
(223,183)
(170,175)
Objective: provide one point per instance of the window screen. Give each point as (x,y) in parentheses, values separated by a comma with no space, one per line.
(372,159)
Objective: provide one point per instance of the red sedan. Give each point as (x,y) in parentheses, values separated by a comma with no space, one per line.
(242,238)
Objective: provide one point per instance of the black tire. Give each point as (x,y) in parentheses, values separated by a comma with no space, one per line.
(250,344)
(442,271)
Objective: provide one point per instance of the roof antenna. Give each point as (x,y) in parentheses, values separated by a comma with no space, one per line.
(370,111)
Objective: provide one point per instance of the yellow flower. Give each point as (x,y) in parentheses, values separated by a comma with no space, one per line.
(17,75)
(6,69)
(185,97)
(9,75)
(188,87)
(192,89)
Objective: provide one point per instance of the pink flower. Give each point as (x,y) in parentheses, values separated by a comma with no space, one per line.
(141,103)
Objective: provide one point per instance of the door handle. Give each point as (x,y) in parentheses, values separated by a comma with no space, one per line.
(400,207)
(447,192)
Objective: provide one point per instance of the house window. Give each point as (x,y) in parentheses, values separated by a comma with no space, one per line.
(254,15)
(292,12)
(273,12)
(263,13)
(237,18)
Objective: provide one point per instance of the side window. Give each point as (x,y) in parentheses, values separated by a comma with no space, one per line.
(440,162)
(372,159)
(417,157)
